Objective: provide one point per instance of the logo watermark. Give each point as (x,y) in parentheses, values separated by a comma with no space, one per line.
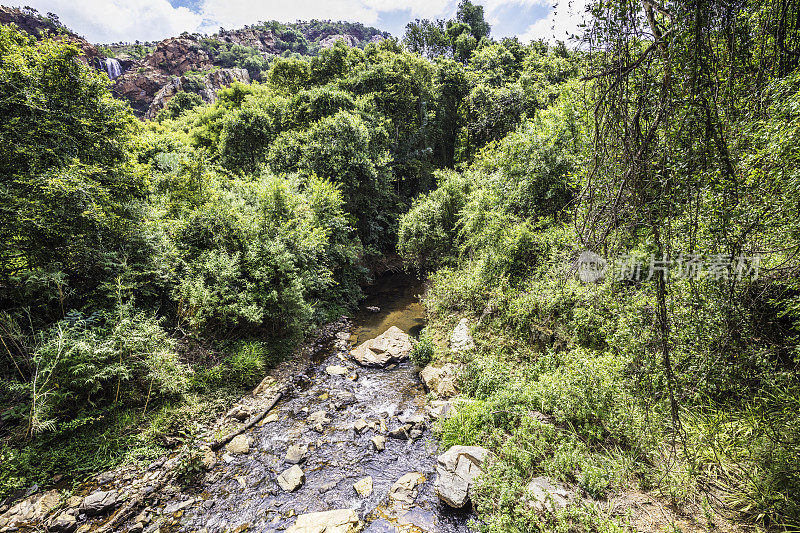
(593,267)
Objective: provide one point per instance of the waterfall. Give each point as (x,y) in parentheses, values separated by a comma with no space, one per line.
(113,67)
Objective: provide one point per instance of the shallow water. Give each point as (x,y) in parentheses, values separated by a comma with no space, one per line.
(245,491)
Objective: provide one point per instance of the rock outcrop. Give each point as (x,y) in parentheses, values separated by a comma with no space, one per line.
(179,55)
(139,85)
(331,40)
(32,509)
(336,521)
(261,40)
(392,346)
(461,339)
(456,470)
(207,87)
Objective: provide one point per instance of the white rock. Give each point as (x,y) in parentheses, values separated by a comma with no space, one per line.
(440,380)
(379,441)
(461,339)
(336,370)
(547,495)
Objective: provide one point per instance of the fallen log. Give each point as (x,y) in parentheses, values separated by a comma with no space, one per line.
(252,422)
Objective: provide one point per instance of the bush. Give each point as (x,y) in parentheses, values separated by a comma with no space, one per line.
(423,350)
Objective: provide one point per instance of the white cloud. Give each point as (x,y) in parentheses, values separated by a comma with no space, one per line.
(105,21)
(563,21)
(235,13)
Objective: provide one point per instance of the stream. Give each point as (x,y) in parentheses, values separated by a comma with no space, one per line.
(242,491)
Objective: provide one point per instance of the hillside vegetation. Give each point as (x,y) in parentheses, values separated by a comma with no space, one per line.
(152,271)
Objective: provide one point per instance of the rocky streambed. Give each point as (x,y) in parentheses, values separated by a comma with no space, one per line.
(346,447)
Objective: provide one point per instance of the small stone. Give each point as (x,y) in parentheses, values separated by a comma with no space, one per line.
(239,444)
(379,441)
(401,432)
(360,425)
(364,487)
(336,370)
(296,454)
(291,479)
(270,418)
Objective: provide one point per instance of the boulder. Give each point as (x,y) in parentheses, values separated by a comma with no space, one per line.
(392,346)
(461,339)
(547,496)
(99,502)
(30,510)
(336,521)
(440,380)
(239,444)
(406,488)
(364,487)
(239,412)
(291,479)
(456,470)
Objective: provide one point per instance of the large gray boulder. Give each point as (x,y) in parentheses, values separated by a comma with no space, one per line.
(392,346)
(456,470)
(336,521)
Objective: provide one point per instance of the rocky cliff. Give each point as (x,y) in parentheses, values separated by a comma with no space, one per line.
(150,82)
(207,87)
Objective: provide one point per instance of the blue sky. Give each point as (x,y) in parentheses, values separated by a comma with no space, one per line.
(105,21)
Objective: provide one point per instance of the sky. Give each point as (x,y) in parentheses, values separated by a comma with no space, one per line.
(107,21)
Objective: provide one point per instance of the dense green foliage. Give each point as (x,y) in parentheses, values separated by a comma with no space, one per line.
(676,384)
(149,272)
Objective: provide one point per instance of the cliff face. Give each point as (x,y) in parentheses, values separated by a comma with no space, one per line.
(179,55)
(207,87)
(261,40)
(149,83)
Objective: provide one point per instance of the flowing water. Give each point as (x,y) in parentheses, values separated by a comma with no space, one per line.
(242,489)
